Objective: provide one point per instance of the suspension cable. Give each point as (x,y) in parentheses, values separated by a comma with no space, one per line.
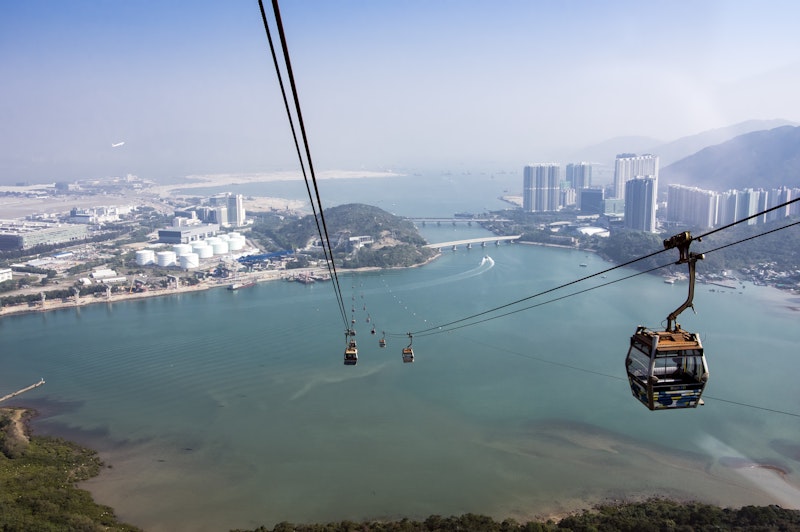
(445,327)
(490,318)
(322,231)
(495,309)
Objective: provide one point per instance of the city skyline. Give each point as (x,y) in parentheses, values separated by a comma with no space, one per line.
(98,89)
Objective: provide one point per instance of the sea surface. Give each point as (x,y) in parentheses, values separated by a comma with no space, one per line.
(219,409)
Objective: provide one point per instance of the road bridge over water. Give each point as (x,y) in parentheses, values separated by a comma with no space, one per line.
(454,221)
(453,244)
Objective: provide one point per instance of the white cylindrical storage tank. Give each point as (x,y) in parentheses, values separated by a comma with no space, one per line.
(197,246)
(205,252)
(234,234)
(210,241)
(165,258)
(220,248)
(180,249)
(189,261)
(235,244)
(145,256)
(224,237)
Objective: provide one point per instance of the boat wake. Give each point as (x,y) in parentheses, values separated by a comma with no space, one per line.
(486,264)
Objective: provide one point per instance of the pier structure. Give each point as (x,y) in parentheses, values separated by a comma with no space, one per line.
(31,387)
(469,242)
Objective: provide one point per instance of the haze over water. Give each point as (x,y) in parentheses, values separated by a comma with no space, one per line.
(227,409)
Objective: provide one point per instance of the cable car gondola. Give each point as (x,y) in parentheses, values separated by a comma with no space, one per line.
(351,351)
(408,351)
(667,369)
(382,341)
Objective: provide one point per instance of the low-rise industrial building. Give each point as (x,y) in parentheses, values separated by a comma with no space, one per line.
(25,235)
(187,235)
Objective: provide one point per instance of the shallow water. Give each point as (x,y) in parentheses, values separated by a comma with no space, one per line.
(244,395)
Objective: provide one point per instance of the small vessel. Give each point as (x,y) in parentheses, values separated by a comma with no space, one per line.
(241,284)
(584,265)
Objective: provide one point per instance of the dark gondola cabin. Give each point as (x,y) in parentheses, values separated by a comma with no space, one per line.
(666,369)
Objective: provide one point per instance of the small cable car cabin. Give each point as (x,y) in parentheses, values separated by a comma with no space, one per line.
(351,353)
(382,342)
(408,351)
(666,369)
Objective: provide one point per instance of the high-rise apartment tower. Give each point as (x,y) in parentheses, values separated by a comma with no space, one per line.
(540,187)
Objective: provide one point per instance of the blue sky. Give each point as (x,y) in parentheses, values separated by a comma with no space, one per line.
(189,86)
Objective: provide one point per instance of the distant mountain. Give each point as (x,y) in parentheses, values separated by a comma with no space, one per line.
(668,152)
(765,159)
(683,147)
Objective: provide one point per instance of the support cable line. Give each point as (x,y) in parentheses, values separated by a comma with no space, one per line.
(449,325)
(322,229)
(515,311)
(617,377)
(518,301)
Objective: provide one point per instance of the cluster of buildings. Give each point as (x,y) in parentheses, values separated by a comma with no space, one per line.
(705,208)
(99,215)
(62,228)
(225,210)
(201,222)
(633,197)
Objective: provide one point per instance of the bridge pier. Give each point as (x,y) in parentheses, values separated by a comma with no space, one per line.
(455,248)
(469,246)
(483,244)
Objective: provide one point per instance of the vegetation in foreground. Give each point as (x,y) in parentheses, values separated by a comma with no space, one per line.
(38,477)
(653,515)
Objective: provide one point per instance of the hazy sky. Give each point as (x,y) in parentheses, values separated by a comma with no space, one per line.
(190,88)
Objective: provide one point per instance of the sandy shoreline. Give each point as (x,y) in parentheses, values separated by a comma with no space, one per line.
(221,180)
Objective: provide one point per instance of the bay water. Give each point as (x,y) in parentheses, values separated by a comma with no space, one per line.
(219,409)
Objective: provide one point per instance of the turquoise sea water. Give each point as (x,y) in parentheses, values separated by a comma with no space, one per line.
(224,409)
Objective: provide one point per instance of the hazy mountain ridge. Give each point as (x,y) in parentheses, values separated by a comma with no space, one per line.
(683,147)
(674,150)
(759,159)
